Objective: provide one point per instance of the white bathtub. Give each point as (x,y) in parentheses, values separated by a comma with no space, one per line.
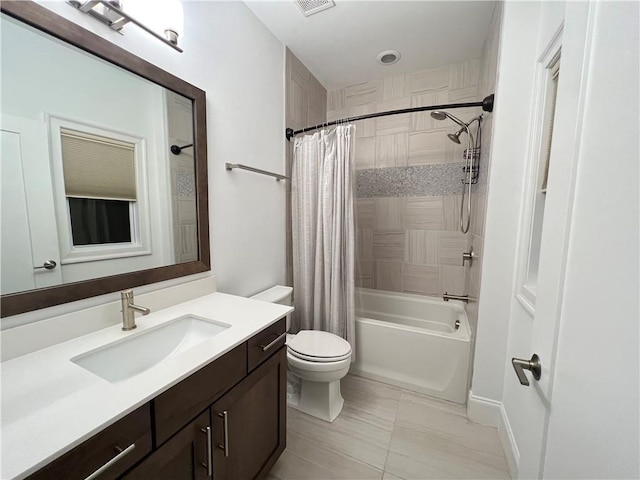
(412,341)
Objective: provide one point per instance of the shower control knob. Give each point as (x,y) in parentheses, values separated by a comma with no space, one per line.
(468,256)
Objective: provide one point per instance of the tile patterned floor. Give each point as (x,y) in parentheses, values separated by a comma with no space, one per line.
(387,433)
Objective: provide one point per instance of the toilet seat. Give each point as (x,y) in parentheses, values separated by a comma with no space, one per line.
(318,346)
(310,358)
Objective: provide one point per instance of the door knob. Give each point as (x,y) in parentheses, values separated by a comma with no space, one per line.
(48,265)
(533,365)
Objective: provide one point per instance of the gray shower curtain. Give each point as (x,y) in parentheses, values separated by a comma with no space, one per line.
(323,224)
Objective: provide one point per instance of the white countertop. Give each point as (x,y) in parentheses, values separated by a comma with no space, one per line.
(50,405)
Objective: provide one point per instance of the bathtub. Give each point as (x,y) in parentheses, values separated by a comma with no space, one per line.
(412,341)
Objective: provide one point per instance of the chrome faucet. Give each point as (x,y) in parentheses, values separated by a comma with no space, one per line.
(463,298)
(129,309)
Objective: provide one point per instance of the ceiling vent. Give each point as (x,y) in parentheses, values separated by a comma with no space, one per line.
(309,7)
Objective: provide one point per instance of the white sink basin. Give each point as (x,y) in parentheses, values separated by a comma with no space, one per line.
(125,358)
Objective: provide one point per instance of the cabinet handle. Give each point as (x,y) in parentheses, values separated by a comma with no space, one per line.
(225,446)
(209,464)
(118,457)
(270,345)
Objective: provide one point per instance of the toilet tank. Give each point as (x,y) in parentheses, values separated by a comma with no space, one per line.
(278,294)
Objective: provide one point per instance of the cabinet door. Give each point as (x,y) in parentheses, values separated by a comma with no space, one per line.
(187,455)
(249,423)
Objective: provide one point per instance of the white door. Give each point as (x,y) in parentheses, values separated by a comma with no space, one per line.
(564,429)
(559,31)
(29,234)
(17,276)
(594,419)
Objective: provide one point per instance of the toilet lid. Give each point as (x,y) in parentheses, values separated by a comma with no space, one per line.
(318,346)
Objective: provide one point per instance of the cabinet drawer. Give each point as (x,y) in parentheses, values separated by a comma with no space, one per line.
(266,343)
(174,408)
(113,450)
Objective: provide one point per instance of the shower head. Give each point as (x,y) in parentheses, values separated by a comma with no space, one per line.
(455,137)
(440,115)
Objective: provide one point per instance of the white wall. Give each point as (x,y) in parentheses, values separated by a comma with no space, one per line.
(503,200)
(240,64)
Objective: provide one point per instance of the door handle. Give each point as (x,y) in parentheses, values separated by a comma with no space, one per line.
(533,365)
(48,265)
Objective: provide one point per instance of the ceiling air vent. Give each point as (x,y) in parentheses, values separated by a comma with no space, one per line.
(309,7)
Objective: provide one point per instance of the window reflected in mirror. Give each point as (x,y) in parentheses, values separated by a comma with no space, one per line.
(95,221)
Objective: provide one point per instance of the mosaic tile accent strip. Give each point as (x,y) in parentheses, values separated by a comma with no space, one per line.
(186,181)
(441,179)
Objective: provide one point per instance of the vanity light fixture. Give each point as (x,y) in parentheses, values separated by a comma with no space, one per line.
(164,15)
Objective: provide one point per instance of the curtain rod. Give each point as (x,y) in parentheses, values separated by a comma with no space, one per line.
(486,104)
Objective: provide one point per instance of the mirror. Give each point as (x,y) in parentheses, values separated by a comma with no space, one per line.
(94,197)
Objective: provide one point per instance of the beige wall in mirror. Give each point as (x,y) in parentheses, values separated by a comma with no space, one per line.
(65,113)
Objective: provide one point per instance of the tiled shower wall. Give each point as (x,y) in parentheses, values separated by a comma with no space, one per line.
(486,86)
(408,179)
(306,104)
(183,180)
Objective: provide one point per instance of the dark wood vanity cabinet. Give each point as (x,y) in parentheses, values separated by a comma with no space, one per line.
(239,437)
(225,421)
(249,423)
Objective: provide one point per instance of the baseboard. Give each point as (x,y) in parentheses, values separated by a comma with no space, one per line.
(486,411)
(509,444)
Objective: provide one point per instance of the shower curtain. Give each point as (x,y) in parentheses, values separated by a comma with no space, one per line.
(323,234)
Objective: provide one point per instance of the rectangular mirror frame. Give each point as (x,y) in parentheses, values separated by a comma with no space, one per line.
(45,20)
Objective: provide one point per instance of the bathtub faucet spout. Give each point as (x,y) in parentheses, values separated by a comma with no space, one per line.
(463,298)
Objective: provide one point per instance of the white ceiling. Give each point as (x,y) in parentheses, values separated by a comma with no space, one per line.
(339,45)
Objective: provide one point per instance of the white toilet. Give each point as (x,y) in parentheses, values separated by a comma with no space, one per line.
(319,359)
